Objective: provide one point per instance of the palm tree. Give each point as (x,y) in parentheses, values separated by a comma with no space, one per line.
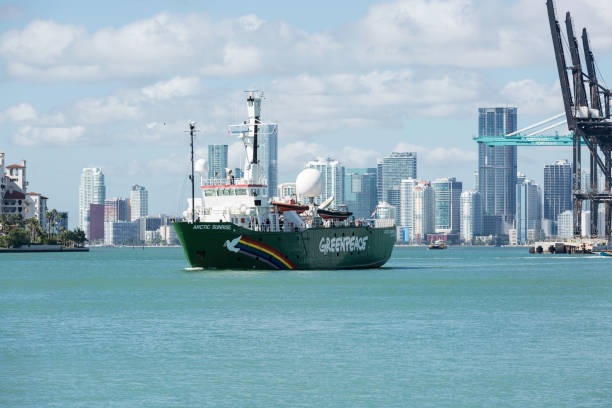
(51,216)
(34,228)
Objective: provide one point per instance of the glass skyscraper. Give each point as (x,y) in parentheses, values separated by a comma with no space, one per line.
(360,192)
(395,168)
(217,161)
(528,218)
(497,165)
(447,193)
(91,191)
(557,189)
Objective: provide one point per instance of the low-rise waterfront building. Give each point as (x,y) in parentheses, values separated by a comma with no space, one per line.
(121,233)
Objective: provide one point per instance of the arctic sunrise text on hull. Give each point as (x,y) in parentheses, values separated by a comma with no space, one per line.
(236,224)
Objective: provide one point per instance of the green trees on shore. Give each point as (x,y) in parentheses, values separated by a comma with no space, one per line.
(15,232)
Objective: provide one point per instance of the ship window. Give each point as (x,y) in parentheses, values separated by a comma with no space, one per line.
(210,192)
(225,192)
(241,191)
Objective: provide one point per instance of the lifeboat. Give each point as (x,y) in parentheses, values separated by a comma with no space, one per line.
(290,206)
(334,214)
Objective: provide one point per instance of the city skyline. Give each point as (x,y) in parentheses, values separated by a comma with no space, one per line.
(63,113)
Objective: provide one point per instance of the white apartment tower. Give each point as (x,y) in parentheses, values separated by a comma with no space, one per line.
(91,191)
(333,180)
(423,215)
(139,202)
(471,215)
(405,208)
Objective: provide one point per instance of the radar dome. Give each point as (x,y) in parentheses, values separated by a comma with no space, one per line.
(309,183)
(200,166)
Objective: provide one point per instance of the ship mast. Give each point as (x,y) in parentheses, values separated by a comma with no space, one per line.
(191,177)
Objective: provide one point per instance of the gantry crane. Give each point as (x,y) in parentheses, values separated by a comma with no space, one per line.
(590,124)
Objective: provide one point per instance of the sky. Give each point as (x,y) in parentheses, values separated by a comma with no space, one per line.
(114,84)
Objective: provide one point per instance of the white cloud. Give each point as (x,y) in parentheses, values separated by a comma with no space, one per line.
(309,104)
(30,136)
(438,156)
(533,97)
(251,22)
(40,42)
(19,113)
(110,109)
(173,88)
(394,34)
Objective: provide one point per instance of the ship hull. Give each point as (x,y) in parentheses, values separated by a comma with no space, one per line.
(228,246)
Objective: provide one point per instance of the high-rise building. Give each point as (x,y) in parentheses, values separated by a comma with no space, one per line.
(528,217)
(497,164)
(447,196)
(422,220)
(405,207)
(332,173)
(139,202)
(268,155)
(91,191)
(471,215)
(396,167)
(557,189)
(116,209)
(379,182)
(565,224)
(217,161)
(360,191)
(96,222)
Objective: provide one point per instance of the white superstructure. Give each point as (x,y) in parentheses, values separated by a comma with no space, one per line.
(244,201)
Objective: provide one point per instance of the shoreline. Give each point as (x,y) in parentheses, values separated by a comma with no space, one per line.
(41,249)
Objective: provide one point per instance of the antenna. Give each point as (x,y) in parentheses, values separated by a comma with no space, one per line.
(192,130)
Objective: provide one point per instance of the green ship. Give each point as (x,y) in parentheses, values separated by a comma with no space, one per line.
(235,224)
(229,246)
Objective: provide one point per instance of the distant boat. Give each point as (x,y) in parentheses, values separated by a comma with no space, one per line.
(605,253)
(439,244)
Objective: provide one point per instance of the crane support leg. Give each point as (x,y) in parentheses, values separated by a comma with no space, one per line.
(576,179)
(593,190)
(608,185)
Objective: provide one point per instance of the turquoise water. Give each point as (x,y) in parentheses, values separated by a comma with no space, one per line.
(464,327)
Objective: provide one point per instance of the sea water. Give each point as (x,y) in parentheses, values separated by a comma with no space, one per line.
(462,327)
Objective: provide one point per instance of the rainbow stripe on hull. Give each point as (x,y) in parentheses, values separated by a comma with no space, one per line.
(263,252)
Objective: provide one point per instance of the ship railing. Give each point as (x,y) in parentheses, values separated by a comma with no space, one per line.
(215,181)
(384,222)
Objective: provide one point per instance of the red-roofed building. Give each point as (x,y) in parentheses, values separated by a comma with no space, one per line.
(14,198)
